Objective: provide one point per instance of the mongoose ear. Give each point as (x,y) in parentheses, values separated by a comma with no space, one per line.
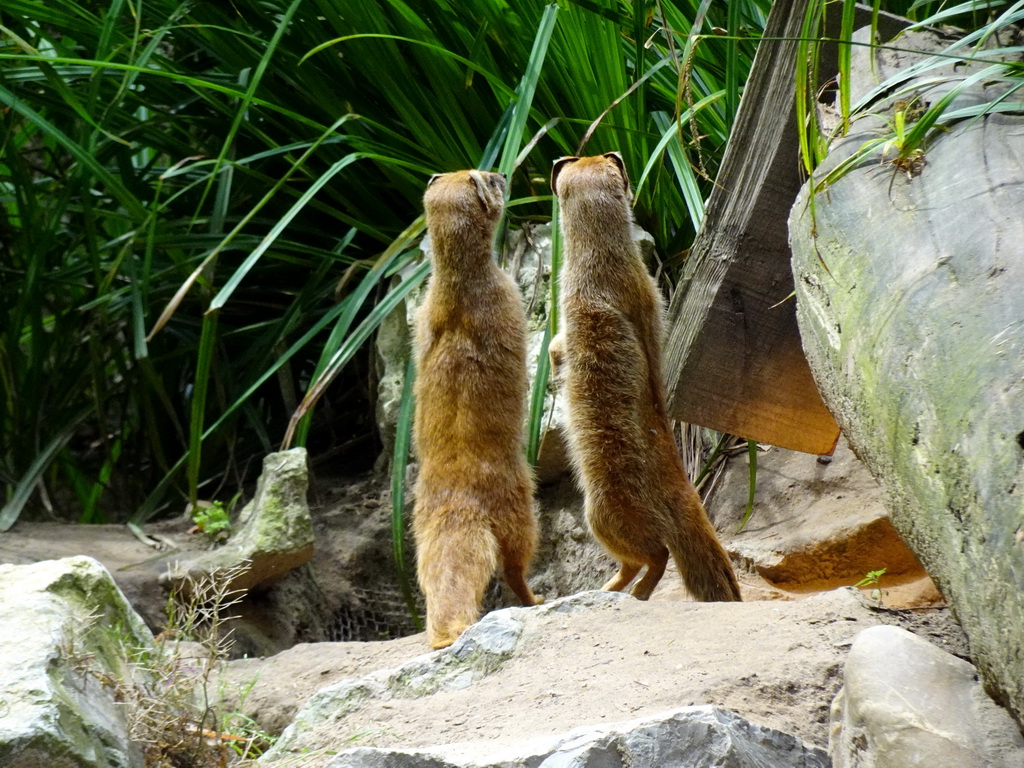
(434,178)
(560,163)
(616,158)
(480,181)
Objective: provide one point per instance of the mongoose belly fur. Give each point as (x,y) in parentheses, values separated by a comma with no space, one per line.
(474,494)
(639,502)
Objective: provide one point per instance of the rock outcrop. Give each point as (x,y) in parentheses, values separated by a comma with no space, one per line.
(907,704)
(908,298)
(815,525)
(65,626)
(274,531)
(689,737)
(591,659)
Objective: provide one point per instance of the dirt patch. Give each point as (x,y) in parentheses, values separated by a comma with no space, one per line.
(776,663)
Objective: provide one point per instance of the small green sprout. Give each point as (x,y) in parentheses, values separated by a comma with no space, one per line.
(213,519)
(870,578)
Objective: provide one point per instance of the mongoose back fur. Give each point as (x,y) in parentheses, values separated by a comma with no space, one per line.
(639,502)
(474,494)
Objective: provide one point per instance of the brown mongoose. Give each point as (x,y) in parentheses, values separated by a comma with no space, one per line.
(474,494)
(639,502)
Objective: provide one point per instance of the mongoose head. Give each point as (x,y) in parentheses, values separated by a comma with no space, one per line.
(593,194)
(475,197)
(601,175)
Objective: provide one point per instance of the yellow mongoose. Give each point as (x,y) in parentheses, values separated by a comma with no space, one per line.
(474,495)
(639,502)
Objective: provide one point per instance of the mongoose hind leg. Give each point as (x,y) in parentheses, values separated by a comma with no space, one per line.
(516,545)
(442,637)
(515,577)
(627,572)
(655,570)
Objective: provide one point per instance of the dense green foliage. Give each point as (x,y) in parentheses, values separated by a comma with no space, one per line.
(202,205)
(193,200)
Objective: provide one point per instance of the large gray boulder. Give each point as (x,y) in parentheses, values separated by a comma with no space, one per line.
(688,737)
(65,625)
(909,304)
(907,704)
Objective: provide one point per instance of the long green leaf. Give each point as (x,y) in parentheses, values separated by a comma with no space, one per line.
(538,391)
(491,77)
(254,82)
(391,258)
(845,54)
(23,490)
(751,485)
(354,342)
(204,364)
(525,91)
(399,462)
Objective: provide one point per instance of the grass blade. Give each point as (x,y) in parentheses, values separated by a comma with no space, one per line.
(399,462)
(751,485)
(538,393)
(204,364)
(247,97)
(524,93)
(845,53)
(352,344)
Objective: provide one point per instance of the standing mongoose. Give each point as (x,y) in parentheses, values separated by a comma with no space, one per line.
(639,502)
(474,495)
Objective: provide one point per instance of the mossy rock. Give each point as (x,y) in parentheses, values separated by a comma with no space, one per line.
(274,532)
(910,311)
(66,627)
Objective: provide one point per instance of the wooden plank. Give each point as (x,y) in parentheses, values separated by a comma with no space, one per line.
(733,357)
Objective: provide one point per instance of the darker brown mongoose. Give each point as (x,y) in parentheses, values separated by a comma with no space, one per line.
(639,502)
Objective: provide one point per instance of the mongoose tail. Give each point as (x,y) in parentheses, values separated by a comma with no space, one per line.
(700,558)
(456,556)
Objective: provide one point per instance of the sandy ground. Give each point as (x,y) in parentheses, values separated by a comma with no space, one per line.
(777,663)
(775,659)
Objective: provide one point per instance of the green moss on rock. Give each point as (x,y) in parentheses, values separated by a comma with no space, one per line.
(915,333)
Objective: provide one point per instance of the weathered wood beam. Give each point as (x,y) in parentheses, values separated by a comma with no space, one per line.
(733,357)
